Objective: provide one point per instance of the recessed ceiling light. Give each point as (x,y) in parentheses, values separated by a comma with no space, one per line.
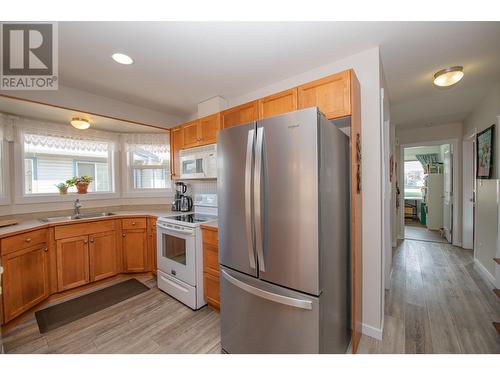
(449,76)
(121,58)
(80,123)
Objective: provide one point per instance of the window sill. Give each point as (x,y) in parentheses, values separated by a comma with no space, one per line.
(53,198)
(149,193)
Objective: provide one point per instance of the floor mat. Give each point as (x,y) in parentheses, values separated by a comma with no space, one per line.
(66,312)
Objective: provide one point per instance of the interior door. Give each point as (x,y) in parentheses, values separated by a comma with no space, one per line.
(468,200)
(235,151)
(286,200)
(448,193)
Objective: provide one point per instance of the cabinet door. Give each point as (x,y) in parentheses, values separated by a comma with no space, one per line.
(103,256)
(176,142)
(211,290)
(72,262)
(240,115)
(25,280)
(332,95)
(134,246)
(192,135)
(209,126)
(276,104)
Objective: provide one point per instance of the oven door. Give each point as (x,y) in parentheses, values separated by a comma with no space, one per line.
(192,166)
(177,252)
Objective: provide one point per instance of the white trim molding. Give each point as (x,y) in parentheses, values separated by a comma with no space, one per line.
(376,333)
(484,272)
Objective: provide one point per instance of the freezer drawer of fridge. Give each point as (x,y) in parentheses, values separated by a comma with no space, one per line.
(259,317)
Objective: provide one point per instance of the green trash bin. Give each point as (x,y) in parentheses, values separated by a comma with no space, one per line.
(422,214)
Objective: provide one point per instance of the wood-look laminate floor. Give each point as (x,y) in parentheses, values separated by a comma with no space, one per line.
(417,231)
(151,322)
(438,303)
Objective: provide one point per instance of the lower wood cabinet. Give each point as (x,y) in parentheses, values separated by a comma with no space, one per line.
(103,256)
(25,279)
(211,271)
(73,262)
(134,247)
(152,244)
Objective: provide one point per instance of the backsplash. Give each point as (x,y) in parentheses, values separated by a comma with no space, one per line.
(201,187)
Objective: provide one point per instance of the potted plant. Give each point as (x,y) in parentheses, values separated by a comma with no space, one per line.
(81,183)
(63,188)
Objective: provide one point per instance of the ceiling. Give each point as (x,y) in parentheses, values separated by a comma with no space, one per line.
(178,65)
(44,112)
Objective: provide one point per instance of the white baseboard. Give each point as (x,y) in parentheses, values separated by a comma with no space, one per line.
(458,244)
(484,272)
(376,333)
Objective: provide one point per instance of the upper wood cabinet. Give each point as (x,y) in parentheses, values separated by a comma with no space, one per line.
(332,95)
(202,131)
(25,279)
(191,134)
(276,104)
(176,144)
(241,114)
(208,127)
(103,255)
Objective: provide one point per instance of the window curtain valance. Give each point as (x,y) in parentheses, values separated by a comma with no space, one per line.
(156,143)
(64,142)
(426,159)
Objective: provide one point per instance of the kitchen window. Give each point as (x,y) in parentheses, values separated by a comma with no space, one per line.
(52,159)
(414,179)
(148,164)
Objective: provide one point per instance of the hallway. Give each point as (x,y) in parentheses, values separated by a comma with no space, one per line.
(417,231)
(438,303)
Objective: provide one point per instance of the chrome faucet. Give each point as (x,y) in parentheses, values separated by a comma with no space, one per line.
(77,205)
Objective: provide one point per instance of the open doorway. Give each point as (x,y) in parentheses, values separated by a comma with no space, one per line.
(428,208)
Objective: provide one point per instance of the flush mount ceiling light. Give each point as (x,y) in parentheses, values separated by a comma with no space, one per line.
(121,58)
(449,76)
(80,123)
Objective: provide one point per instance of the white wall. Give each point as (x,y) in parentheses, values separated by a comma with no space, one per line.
(483,116)
(446,133)
(367,68)
(87,102)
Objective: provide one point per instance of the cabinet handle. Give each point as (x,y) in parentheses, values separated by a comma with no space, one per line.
(28,240)
(123,235)
(92,240)
(133,223)
(45,249)
(86,242)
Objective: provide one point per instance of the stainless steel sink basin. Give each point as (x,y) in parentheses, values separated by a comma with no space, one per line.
(85,215)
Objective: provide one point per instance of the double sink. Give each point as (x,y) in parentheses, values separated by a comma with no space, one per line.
(86,215)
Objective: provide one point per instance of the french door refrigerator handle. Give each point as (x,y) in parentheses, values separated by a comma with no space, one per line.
(278,298)
(257,198)
(248,197)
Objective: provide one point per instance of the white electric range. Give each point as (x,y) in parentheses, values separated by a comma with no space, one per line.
(179,251)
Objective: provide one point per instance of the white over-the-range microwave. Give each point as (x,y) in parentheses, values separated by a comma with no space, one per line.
(199,162)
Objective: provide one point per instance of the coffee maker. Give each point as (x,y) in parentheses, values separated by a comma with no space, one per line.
(180,189)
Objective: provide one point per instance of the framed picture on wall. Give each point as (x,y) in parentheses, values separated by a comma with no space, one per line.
(484,152)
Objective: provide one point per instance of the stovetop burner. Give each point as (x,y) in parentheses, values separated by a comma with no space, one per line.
(192,218)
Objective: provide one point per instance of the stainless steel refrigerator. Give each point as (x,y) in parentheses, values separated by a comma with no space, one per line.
(283,191)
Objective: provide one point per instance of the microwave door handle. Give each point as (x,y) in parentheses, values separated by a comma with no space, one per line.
(248,198)
(257,188)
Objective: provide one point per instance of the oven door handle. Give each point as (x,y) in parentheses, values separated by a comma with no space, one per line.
(189,232)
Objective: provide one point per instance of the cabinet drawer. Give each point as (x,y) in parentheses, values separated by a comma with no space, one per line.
(212,290)
(210,259)
(74,230)
(210,236)
(23,241)
(134,223)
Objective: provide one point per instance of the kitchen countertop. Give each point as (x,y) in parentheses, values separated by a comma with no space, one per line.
(30,224)
(210,224)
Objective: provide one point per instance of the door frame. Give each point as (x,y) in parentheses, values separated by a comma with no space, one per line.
(468,160)
(457,191)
